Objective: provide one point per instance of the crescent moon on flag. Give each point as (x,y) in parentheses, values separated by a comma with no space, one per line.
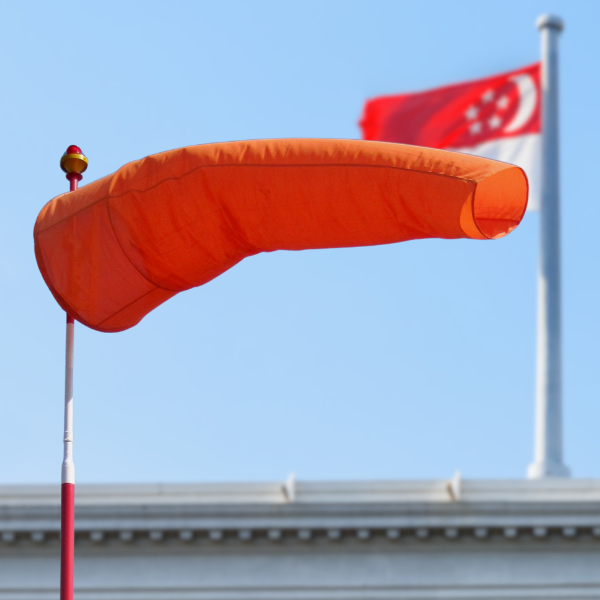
(527,102)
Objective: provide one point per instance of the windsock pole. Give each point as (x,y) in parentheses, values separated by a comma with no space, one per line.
(73,163)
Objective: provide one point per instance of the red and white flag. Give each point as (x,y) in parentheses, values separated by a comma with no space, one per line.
(498,117)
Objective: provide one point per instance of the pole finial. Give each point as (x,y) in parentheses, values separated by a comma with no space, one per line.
(551,21)
(73,162)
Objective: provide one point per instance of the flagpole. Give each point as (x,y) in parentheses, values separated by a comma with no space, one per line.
(73,163)
(548,457)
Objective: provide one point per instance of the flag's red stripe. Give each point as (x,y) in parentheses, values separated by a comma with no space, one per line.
(438,118)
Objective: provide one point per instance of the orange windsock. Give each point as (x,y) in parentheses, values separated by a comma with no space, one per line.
(115,249)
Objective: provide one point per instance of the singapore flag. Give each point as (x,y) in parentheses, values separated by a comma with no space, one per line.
(497,117)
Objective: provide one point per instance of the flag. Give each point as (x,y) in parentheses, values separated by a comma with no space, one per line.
(497,117)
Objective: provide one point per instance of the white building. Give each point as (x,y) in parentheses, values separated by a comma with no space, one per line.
(358,540)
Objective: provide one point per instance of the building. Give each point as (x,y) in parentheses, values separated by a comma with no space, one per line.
(534,539)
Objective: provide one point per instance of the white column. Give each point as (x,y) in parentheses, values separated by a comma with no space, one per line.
(548,460)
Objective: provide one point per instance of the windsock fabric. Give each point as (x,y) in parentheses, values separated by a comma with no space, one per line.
(117,248)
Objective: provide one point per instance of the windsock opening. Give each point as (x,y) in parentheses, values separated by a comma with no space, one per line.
(498,206)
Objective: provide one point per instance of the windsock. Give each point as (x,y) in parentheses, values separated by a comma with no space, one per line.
(117,248)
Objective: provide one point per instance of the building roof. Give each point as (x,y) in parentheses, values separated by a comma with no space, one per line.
(369,540)
(510,508)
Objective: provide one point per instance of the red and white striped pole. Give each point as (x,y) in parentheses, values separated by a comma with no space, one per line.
(73,163)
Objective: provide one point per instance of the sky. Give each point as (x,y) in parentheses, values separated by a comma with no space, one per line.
(408,361)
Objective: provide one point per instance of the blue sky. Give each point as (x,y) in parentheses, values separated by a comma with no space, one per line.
(405,361)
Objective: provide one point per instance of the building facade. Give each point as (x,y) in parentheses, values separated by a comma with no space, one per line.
(527,539)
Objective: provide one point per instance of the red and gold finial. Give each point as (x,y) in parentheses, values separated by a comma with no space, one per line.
(73,162)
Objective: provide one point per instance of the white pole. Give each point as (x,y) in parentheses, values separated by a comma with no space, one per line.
(548,458)
(68,467)
(67,502)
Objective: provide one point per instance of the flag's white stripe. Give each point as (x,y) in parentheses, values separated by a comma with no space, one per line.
(525,151)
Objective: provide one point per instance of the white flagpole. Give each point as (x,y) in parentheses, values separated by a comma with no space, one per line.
(548,458)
